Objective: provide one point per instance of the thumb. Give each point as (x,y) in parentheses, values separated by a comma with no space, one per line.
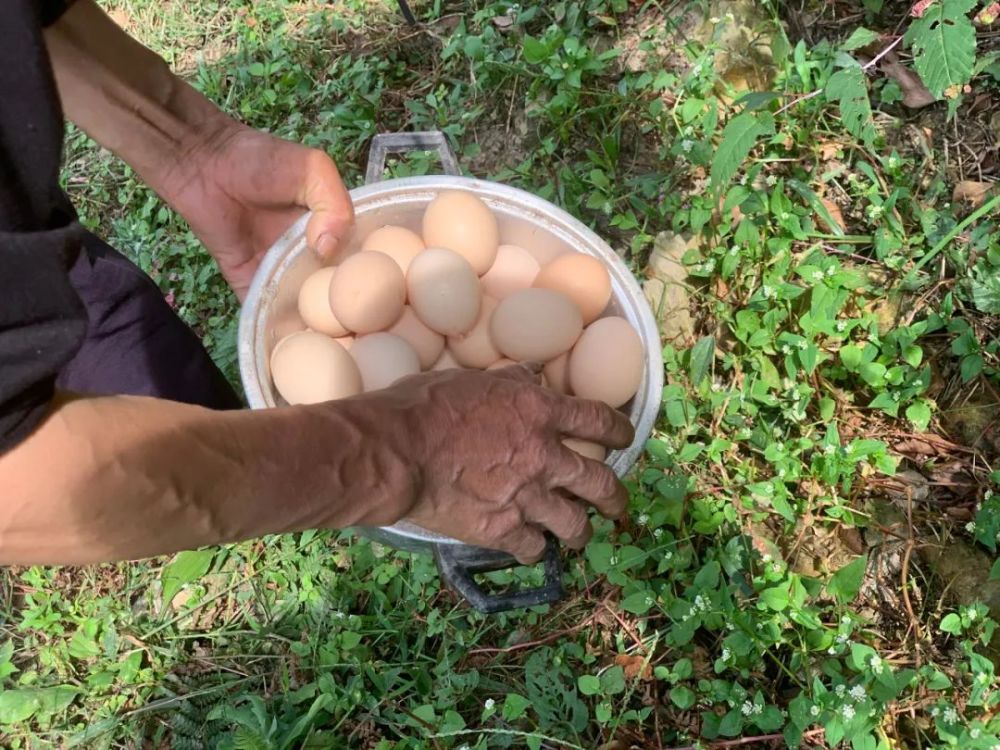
(324,194)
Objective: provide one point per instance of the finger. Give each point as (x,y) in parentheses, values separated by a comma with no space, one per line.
(323,192)
(526,544)
(563,517)
(592,481)
(594,421)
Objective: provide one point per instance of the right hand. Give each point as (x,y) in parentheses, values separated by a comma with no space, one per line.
(493,472)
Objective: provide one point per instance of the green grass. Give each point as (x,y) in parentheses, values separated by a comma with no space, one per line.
(775,579)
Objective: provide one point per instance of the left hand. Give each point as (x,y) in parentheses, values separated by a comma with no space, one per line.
(240,189)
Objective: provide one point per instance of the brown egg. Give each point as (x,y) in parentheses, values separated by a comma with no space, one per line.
(384,358)
(514,268)
(582,278)
(461,222)
(535,325)
(309,368)
(367,292)
(444,291)
(607,362)
(547,252)
(501,363)
(446,361)
(399,243)
(586,448)
(475,348)
(314,303)
(427,343)
(555,373)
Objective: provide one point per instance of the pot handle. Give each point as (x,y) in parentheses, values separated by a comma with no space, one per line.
(458,562)
(384,144)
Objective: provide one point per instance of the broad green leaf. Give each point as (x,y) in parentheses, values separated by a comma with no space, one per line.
(986,293)
(682,697)
(850,356)
(534,51)
(637,603)
(951,624)
(731,724)
(845,584)
(873,373)
(850,88)
(186,567)
(919,412)
(21,704)
(589,684)
(775,598)
(861,37)
(613,681)
(702,354)
(913,355)
(738,139)
(995,571)
(943,40)
(514,706)
(971,366)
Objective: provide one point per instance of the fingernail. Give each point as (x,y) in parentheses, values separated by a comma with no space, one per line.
(326,245)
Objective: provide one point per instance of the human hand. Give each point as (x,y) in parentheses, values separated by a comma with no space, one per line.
(240,189)
(487,450)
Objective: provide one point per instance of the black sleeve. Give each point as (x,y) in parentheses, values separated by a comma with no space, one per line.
(42,321)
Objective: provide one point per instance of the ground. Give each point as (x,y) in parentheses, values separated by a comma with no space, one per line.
(809,550)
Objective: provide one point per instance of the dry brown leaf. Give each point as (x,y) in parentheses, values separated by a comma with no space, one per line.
(971,192)
(829,150)
(633,666)
(915,94)
(835,213)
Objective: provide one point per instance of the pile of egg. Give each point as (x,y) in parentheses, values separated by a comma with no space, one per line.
(457,297)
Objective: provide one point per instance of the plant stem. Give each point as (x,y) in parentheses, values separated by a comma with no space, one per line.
(980,212)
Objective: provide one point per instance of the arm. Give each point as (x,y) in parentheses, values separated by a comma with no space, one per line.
(238,189)
(477,456)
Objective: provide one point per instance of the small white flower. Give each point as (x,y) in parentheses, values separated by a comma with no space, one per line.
(842,638)
(858,692)
(643,519)
(840,690)
(950,715)
(668,555)
(831,271)
(734,250)
(785,349)
(983,678)
(803,345)
(781,473)
(817,275)
(841,326)
(845,620)
(814,711)
(832,651)
(650,601)
(771,181)
(848,712)
(829,449)
(766,291)
(974,733)
(971,527)
(876,664)
(726,654)
(972,614)
(687,146)
(489,704)
(758,709)
(784,216)
(714,20)
(657,533)
(747,708)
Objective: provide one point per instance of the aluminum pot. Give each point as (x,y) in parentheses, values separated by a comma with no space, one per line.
(270,313)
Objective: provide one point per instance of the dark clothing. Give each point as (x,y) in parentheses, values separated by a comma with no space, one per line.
(89,318)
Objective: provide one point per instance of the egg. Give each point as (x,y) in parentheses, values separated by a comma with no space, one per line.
(428,344)
(555,373)
(383,358)
(367,292)
(314,303)
(399,243)
(586,448)
(446,361)
(582,278)
(607,362)
(535,325)
(345,341)
(547,252)
(514,268)
(461,222)
(309,367)
(444,291)
(501,363)
(475,348)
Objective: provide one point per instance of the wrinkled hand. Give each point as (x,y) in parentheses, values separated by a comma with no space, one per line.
(240,189)
(493,470)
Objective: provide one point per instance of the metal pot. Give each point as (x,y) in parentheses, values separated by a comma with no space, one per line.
(270,312)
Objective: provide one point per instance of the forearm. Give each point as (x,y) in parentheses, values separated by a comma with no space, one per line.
(124,477)
(124,95)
